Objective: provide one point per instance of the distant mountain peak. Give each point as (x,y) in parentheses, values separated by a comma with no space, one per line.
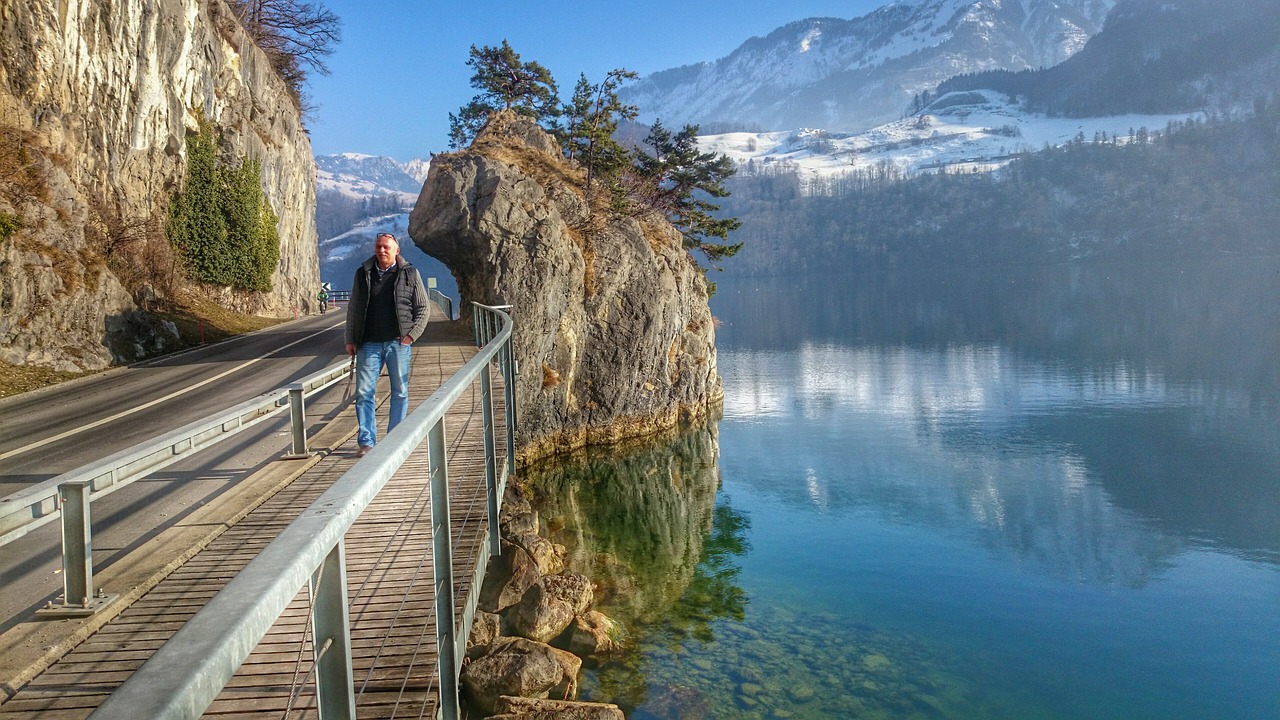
(360,175)
(854,74)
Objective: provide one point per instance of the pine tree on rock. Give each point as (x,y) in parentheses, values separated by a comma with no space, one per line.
(594,114)
(505,83)
(675,179)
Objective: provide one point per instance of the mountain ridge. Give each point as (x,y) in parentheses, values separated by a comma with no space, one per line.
(849,75)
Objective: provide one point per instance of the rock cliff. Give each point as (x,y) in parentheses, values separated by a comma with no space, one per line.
(613,334)
(96,99)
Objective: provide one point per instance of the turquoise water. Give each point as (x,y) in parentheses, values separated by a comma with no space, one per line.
(1016,494)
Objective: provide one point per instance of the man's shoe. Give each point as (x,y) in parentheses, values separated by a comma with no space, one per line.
(364,450)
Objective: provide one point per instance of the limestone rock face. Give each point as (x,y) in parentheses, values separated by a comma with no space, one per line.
(96,99)
(612,331)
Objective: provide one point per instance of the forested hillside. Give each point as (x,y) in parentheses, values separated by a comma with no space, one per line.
(1152,56)
(1201,188)
(338,212)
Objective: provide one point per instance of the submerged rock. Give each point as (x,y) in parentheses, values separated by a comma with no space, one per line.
(516,708)
(519,667)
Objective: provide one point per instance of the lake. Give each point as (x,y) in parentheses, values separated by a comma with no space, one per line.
(1007,493)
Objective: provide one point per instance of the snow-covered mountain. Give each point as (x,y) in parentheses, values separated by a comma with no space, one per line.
(963,131)
(360,176)
(359,196)
(850,75)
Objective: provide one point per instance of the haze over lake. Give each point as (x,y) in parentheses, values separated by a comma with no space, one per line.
(1006,493)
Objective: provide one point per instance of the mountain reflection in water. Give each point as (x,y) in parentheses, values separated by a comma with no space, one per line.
(1009,493)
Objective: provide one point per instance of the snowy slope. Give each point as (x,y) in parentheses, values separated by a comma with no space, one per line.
(849,75)
(370,176)
(341,255)
(360,176)
(978,130)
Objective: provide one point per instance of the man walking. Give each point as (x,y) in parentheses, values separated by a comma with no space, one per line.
(388,310)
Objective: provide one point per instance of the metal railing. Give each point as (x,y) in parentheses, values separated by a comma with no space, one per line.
(69,496)
(442,301)
(185,675)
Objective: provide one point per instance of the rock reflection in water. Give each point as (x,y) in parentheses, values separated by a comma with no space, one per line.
(645,526)
(634,522)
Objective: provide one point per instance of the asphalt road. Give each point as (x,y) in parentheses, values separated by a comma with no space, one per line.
(52,431)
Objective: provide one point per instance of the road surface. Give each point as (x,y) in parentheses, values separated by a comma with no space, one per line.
(52,431)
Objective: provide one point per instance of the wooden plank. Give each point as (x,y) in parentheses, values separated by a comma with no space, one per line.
(390,588)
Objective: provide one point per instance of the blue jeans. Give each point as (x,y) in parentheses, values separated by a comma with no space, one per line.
(370,358)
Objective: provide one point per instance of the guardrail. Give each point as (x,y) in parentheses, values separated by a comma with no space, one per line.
(185,675)
(70,495)
(442,301)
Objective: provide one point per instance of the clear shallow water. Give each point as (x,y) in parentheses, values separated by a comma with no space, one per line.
(1050,494)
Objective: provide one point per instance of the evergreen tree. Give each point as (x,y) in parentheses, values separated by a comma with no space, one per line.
(197,227)
(220,223)
(253,244)
(575,113)
(505,83)
(592,138)
(676,178)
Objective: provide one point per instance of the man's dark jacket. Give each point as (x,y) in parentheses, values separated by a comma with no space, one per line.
(412,310)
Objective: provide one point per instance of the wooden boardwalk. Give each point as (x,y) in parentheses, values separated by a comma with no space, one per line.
(389,586)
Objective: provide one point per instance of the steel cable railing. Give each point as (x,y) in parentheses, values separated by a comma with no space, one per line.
(69,496)
(186,674)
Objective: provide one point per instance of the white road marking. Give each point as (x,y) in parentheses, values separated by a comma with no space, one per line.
(157,401)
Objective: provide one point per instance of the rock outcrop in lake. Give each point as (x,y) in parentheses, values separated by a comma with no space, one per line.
(533,631)
(613,334)
(96,101)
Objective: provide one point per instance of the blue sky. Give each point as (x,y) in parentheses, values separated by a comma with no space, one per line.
(401,67)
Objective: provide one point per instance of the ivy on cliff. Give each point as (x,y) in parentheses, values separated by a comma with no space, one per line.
(219,223)
(9,224)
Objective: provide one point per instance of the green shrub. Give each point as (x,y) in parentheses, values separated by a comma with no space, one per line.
(221,225)
(9,224)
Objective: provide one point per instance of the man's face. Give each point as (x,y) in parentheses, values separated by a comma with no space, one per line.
(385,250)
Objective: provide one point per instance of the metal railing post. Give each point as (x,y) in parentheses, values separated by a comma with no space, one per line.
(77,543)
(331,638)
(298,421)
(509,387)
(447,659)
(78,598)
(28,509)
(490,459)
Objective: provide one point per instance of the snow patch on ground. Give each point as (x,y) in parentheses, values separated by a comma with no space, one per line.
(359,239)
(973,131)
(356,187)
